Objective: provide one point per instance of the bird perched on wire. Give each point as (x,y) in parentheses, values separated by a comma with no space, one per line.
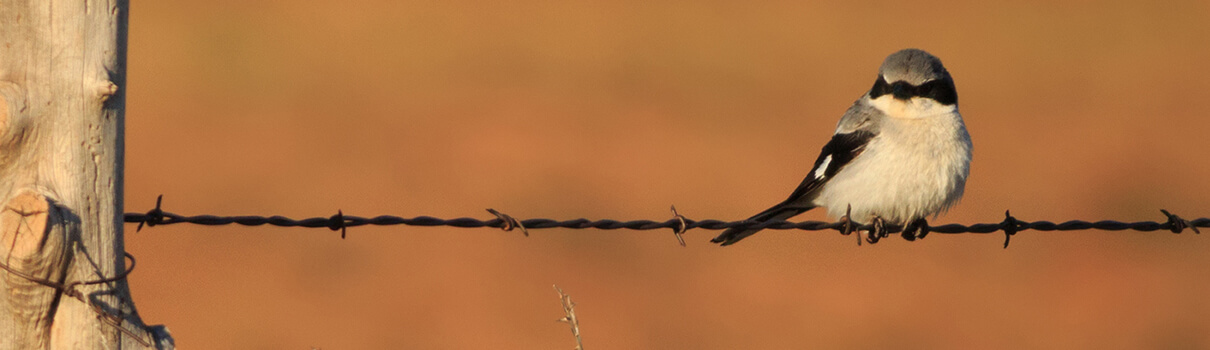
(900,153)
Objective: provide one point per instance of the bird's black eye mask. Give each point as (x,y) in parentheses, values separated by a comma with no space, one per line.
(941,91)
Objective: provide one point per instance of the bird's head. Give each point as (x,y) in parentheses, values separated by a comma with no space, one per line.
(913,84)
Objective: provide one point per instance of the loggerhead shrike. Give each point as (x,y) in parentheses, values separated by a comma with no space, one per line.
(899,154)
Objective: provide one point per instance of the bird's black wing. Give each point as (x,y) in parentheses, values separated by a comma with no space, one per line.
(837,153)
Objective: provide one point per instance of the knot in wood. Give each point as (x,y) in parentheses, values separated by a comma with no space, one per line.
(23,224)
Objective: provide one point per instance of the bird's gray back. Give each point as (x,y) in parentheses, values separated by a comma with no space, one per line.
(861,116)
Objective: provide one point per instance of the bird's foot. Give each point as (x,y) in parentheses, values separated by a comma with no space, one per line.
(916,229)
(877,230)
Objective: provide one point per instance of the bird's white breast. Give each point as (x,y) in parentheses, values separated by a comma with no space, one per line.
(913,169)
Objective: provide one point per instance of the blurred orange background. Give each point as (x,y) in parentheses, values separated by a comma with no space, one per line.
(615,110)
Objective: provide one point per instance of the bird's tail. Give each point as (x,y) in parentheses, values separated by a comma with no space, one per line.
(776,213)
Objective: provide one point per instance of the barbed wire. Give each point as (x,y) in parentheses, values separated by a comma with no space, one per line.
(679,224)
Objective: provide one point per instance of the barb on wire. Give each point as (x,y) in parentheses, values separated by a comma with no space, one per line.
(70,290)
(337,222)
(679,224)
(1010,226)
(1176,224)
(679,230)
(154,216)
(508,223)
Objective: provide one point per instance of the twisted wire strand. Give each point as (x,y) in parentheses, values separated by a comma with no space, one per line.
(679,224)
(607,224)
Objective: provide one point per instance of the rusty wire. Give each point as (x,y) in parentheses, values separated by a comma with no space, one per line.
(70,290)
(679,224)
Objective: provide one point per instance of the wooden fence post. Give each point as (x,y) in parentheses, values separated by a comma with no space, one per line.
(62,102)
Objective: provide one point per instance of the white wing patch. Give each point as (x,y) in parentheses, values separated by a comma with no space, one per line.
(823,167)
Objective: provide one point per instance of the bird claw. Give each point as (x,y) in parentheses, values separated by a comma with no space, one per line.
(919,225)
(877,230)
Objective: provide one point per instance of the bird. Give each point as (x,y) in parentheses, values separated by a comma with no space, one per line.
(900,153)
